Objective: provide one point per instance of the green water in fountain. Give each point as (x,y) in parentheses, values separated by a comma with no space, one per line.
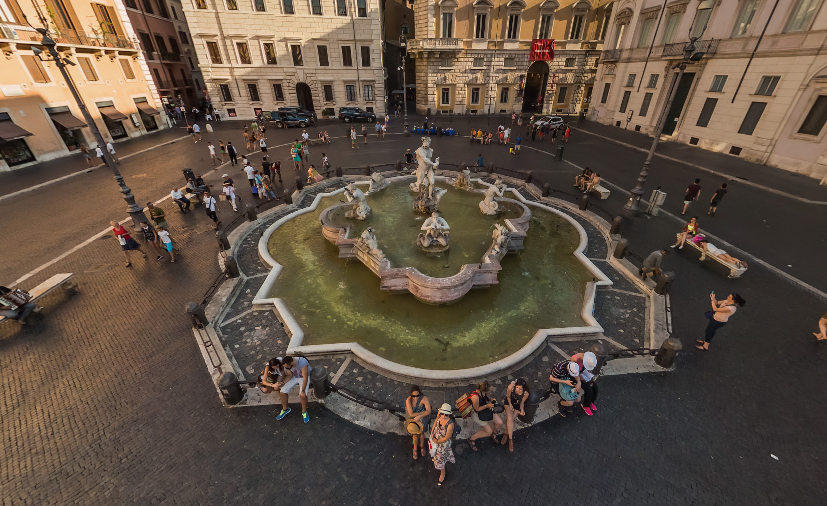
(339,301)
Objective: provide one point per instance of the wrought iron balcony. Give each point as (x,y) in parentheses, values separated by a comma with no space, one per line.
(104,40)
(440,44)
(610,55)
(171,57)
(701,46)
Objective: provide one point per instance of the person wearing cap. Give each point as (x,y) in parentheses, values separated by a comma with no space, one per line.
(229,193)
(567,375)
(587,362)
(418,409)
(516,395)
(441,433)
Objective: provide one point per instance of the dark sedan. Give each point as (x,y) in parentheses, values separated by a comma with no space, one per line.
(288,119)
(298,111)
(355,114)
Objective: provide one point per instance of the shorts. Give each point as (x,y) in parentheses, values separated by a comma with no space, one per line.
(476,418)
(568,393)
(293,382)
(714,203)
(168,246)
(263,150)
(131,244)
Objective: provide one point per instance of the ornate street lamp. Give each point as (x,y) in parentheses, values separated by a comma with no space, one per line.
(403,43)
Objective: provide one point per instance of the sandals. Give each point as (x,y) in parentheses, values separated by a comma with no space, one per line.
(472,445)
(504,439)
(415,454)
(699,341)
(702,348)
(511,444)
(494,438)
(441,479)
(423,450)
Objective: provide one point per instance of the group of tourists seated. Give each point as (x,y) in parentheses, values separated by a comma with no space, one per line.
(482,136)
(587,181)
(433,130)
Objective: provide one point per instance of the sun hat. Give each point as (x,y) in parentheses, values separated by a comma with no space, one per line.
(574,369)
(414,427)
(445,409)
(589,360)
(225,175)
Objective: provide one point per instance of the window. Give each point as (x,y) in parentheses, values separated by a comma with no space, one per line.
(513,30)
(172,77)
(447,25)
(605,96)
(146,43)
(814,122)
(226,96)
(243,53)
(756,109)
(630,79)
(653,81)
(365,56)
(718,83)
(148,7)
(162,9)
(328,92)
(368,92)
(561,94)
(570,62)
(701,20)
(672,23)
(173,45)
(182,35)
(606,20)
(445,63)
(545,26)
(127,68)
(200,4)
(35,68)
(478,62)
(744,19)
(232,5)
(767,85)
(475,96)
(324,61)
(259,6)
(269,53)
(404,29)
(174,14)
(625,102)
(445,96)
(706,112)
(161,45)
(296,52)
(347,57)
(252,89)
(87,68)
(645,28)
(278,92)
(189,59)
(288,6)
(504,95)
(350,92)
(480,27)
(801,15)
(576,25)
(361,8)
(508,62)
(158,81)
(316,7)
(596,61)
(129,3)
(644,107)
(104,15)
(341,8)
(184,77)
(619,35)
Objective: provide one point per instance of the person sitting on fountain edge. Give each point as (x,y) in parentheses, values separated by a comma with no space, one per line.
(295,371)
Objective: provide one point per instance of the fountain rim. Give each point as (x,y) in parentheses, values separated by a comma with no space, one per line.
(295,347)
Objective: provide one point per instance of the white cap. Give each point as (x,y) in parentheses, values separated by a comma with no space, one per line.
(589,360)
(574,369)
(225,175)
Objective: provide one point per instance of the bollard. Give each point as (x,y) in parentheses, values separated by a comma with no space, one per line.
(616,222)
(490,168)
(299,184)
(252,213)
(231,267)
(223,242)
(528,177)
(288,199)
(664,282)
(583,202)
(398,166)
(339,171)
(599,352)
(546,189)
(620,249)
(230,388)
(318,378)
(462,167)
(196,314)
(530,407)
(367,170)
(559,155)
(667,353)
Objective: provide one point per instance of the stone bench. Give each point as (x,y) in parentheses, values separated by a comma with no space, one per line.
(58,280)
(603,191)
(734,270)
(315,142)
(476,139)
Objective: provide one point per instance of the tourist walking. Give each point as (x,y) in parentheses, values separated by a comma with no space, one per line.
(325,163)
(211,148)
(353,138)
(99,154)
(516,395)
(251,173)
(232,153)
(365,133)
(441,434)
(277,167)
(567,376)
(87,155)
(228,190)
(306,152)
(156,213)
(566,135)
(209,205)
(418,409)
(408,158)
(166,241)
(151,237)
(719,316)
(426,124)
(693,192)
(127,242)
(480,161)
(716,199)
(111,149)
(822,327)
(263,145)
(267,184)
(689,231)
(196,130)
(652,264)
(246,136)
(506,135)
(222,149)
(296,372)
(483,415)
(179,198)
(587,362)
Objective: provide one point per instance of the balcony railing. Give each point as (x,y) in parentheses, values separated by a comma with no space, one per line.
(171,57)
(104,40)
(436,44)
(610,55)
(701,46)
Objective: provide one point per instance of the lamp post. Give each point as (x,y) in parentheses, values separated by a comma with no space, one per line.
(135,211)
(403,43)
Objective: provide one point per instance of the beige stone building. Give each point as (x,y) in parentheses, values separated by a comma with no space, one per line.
(474,56)
(759,92)
(39,119)
(258,55)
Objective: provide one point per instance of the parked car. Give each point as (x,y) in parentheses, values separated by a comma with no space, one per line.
(552,121)
(298,111)
(354,114)
(289,119)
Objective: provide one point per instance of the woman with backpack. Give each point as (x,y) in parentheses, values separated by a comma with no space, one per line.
(516,396)
(418,408)
(440,443)
(482,413)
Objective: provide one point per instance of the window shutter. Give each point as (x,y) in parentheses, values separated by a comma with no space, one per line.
(706,112)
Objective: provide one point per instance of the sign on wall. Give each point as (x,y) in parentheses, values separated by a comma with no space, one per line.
(542,49)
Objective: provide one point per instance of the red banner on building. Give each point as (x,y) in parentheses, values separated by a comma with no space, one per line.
(542,49)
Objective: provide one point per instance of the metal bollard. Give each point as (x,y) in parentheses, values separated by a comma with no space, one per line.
(664,283)
(223,242)
(559,155)
(231,267)
(620,249)
(318,378)
(299,184)
(583,202)
(667,353)
(616,222)
(546,189)
(599,352)
(367,170)
(398,166)
(196,314)
(230,388)
(252,213)
(339,171)
(530,407)
(528,177)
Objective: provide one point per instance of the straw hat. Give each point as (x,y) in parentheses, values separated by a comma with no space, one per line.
(414,427)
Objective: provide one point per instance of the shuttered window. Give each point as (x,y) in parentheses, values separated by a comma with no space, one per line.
(35,68)
(625,101)
(644,107)
(605,93)
(756,109)
(127,68)
(816,118)
(88,70)
(706,112)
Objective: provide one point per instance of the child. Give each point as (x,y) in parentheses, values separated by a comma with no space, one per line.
(517,145)
(166,241)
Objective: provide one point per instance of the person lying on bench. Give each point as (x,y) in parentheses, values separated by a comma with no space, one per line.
(718,252)
(16,304)
(581,179)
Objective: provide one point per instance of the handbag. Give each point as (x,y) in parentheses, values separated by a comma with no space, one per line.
(122,240)
(464,406)
(709,314)
(486,415)
(431,444)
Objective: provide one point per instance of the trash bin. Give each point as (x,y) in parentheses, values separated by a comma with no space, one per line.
(230,388)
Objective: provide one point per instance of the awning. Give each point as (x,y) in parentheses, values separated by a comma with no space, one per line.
(143,106)
(67,120)
(9,131)
(112,113)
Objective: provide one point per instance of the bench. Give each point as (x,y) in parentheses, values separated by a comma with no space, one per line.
(604,192)
(476,139)
(315,142)
(58,280)
(734,270)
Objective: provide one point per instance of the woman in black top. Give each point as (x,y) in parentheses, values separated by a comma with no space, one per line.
(516,396)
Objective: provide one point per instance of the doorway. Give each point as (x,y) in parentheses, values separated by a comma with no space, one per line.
(536,80)
(305,97)
(677,105)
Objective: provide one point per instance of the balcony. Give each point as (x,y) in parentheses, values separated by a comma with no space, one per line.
(170,57)
(105,40)
(702,46)
(452,44)
(610,55)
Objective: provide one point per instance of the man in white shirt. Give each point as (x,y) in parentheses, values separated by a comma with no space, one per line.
(212,152)
(251,174)
(100,155)
(111,149)
(263,144)
(197,131)
(305,136)
(229,191)
(179,198)
(209,204)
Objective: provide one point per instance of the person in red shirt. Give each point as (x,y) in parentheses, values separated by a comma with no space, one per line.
(127,242)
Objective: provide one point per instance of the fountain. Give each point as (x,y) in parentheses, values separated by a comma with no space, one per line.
(435,237)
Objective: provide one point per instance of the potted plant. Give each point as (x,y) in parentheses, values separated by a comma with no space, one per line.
(327,113)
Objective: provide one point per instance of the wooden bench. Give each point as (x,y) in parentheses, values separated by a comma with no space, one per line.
(58,280)
(734,270)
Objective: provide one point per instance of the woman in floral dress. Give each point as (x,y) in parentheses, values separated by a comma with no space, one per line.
(441,434)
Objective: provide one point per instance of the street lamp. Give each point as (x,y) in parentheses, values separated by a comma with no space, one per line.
(135,211)
(403,43)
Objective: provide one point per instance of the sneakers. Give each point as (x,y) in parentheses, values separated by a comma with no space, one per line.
(284,412)
(673,246)
(306,417)
(587,410)
(593,407)
(680,247)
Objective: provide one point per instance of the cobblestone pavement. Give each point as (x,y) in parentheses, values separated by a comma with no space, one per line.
(107,401)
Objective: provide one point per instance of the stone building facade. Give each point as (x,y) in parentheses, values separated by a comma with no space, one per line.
(473,57)
(759,91)
(259,55)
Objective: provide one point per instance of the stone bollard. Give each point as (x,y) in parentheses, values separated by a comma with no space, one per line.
(367,170)
(490,168)
(462,167)
(398,166)
(599,352)
(528,177)
(223,242)
(230,388)
(664,283)
(620,249)
(252,213)
(231,267)
(299,184)
(288,199)
(667,353)
(616,222)
(339,171)
(583,202)
(530,407)
(196,314)
(546,189)
(559,155)
(318,378)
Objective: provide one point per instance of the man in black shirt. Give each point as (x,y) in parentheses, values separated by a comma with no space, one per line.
(409,158)
(692,192)
(716,198)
